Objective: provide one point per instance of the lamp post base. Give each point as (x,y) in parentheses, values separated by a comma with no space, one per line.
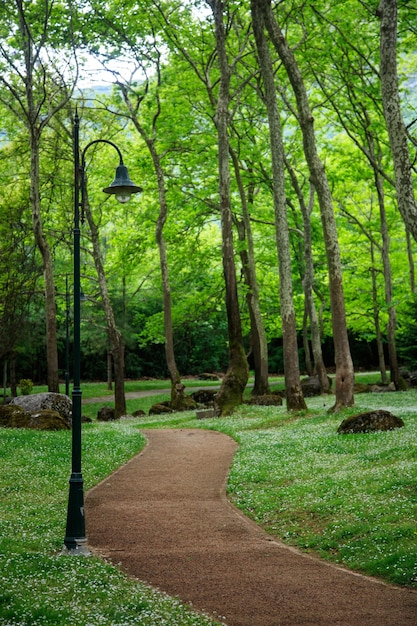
(77,547)
(75,541)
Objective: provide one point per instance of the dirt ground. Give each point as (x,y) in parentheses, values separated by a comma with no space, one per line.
(164,517)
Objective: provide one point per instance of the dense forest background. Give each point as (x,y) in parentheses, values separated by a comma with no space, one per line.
(149,76)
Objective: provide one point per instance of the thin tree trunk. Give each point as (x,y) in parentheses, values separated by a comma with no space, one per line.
(234,382)
(380,347)
(109,366)
(47,262)
(392,315)
(37,97)
(247,255)
(306,343)
(293,390)
(343,360)
(114,335)
(308,282)
(177,388)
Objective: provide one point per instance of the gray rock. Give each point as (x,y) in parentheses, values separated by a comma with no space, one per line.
(36,402)
(310,386)
(206,414)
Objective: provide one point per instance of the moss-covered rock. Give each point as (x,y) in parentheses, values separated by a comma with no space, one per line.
(271,399)
(106,414)
(47,419)
(14,416)
(371,421)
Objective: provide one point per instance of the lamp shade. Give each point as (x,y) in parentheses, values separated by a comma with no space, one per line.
(122,187)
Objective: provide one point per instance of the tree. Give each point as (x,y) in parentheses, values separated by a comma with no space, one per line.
(259,344)
(234,382)
(387,11)
(293,391)
(19,272)
(115,336)
(35,90)
(343,360)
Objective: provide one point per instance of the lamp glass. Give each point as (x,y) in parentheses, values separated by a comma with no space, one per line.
(123,197)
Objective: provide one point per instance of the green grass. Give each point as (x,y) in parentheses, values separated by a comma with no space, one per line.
(38,585)
(96,390)
(350,499)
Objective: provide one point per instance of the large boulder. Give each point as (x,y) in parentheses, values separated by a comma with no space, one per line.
(311,386)
(47,419)
(204,396)
(270,399)
(370,422)
(14,416)
(37,402)
(106,414)
(160,408)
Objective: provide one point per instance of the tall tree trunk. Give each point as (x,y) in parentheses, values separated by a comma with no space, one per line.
(36,80)
(380,346)
(247,255)
(387,11)
(389,298)
(308,281)
(293,390)
(343,360)
(114,335)
(47,262)
(306,343)
(234,382)
(109,366)
(177,388)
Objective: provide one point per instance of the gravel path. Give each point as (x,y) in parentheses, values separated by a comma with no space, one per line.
(164,517)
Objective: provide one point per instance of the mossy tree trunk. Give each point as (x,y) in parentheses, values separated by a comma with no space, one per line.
(233,385)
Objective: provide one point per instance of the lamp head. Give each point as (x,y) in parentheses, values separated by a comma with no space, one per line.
(122,187)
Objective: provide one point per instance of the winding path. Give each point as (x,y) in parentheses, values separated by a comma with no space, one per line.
(165,518)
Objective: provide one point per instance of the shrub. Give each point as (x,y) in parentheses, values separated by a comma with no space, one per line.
(26,386)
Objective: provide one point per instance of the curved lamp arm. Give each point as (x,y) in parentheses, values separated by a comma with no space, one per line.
(122,186)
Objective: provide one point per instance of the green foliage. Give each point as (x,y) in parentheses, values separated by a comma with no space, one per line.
(177,114)
(407,336)
(26,386)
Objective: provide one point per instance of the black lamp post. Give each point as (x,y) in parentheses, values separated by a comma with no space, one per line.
(122,187)
(67,315)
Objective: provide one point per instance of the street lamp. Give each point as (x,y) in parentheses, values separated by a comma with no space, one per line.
(67,316)
(122,187)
